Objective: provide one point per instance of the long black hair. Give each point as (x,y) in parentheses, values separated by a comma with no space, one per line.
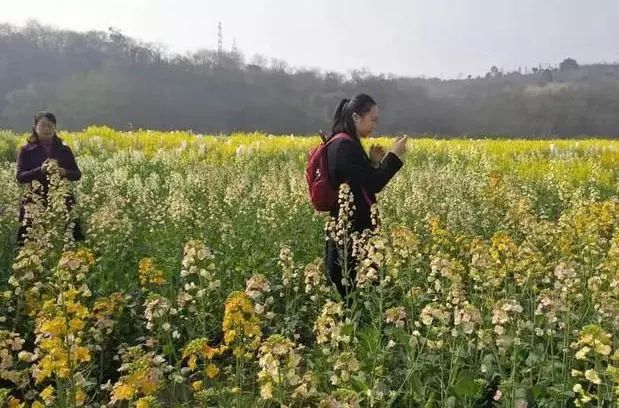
(343,121)
(34,137)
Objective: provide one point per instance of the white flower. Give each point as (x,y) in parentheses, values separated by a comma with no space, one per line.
(582,353)
(593,376)
(498,395)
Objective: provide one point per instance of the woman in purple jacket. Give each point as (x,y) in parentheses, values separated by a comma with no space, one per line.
(35,161)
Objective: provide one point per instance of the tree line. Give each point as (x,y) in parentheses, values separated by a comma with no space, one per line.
(107,78)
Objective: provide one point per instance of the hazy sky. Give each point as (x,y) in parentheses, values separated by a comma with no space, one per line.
(444,38)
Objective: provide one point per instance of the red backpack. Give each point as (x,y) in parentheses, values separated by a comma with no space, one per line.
(321,190)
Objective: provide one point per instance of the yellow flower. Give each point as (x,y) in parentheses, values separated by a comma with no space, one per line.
(15,403)
(77,309)
(64,372)
(80,398)
(76,324)
(81,354)
(210,352)
(191,363)
(229,336)
(200,347)
(197,386)
(48,395)
(55,327)
(148,274)
(43,369)
(145,382)
(212,371)
(122,392)
(142,403)
(241,323)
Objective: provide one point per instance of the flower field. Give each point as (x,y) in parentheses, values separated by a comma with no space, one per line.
(492,281)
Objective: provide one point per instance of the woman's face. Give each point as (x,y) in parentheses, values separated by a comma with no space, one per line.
(45,129)
(367,123)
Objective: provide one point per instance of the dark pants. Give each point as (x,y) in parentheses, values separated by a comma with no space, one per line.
(333,266)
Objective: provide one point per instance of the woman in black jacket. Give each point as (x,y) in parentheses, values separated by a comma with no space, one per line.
(367,175)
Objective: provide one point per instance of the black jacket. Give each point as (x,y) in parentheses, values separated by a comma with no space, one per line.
(349,163)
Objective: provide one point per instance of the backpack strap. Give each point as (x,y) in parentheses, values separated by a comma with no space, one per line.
(338,136)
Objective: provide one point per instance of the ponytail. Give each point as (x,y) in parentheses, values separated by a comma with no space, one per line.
(340,108)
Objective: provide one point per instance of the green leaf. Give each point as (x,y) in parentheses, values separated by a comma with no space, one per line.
(526,395)
(466,386)
(431,402)
(537,391)
(532,359)
(168,349)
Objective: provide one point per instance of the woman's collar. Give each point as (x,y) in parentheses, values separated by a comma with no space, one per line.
(34,145)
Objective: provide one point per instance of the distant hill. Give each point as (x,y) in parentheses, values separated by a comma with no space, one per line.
(108,78)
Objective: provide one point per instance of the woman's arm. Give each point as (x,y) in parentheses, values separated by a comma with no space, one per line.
(24,174)
(354,167)
(70,169)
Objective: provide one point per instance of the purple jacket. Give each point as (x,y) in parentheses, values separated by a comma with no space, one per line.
(29,161)
(32,156)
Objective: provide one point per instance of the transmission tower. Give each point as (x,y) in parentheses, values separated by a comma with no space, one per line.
(235,48)
(220,39)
